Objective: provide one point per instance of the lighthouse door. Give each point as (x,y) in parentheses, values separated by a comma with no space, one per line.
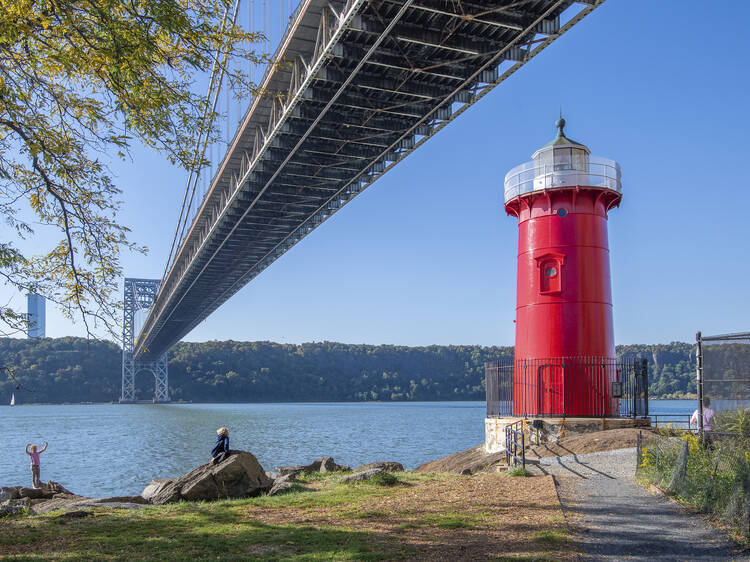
(550,397)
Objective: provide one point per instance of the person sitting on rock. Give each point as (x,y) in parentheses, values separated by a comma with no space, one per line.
(35,468)
(221,449)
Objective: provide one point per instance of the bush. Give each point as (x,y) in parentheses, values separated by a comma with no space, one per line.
(734,421)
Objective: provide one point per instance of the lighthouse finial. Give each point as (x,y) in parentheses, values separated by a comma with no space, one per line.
(560,124)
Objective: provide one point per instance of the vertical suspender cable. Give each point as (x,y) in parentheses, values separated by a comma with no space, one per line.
(200,149)
(216,80)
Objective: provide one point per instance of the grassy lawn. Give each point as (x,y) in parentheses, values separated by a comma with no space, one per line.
(420,517)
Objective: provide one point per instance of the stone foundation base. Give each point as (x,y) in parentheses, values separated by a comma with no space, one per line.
(553,429)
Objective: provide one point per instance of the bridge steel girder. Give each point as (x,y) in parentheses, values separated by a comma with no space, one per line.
(369,82)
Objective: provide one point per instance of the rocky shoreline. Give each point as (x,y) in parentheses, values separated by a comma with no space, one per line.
(240,475)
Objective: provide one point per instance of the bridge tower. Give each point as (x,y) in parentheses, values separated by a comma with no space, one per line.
(564,349)
(139,295)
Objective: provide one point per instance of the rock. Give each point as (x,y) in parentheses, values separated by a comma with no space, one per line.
(239,476)
(286,478)
(53,505)
(364,475)
(9,493)
(198,484)
(31,493)
(272,475)
(386,466)
(155,487)
(294,469)
(121,499)
(51,489)
(281,487)
(9,510)
(323,464)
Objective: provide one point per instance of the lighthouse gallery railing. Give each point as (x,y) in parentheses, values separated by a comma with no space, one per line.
(614,387)
(530,176)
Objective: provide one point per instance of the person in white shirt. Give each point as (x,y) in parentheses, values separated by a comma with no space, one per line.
(708,419)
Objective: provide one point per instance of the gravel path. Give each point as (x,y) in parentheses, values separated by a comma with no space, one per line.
(621,520)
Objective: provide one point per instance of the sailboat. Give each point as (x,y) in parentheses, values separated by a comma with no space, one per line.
(13,399)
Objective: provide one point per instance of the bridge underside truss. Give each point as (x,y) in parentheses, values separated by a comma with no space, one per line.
(365,83)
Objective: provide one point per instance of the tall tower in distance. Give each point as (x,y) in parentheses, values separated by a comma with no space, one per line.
(564,348)
(36,314)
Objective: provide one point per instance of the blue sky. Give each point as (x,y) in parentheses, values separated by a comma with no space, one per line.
(427,255)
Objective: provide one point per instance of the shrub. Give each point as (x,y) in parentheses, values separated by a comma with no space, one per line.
(384,479)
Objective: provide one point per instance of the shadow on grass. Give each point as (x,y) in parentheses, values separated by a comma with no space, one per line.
(201,535)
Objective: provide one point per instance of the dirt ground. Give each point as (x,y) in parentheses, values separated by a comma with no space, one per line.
(595,442)
(486,517)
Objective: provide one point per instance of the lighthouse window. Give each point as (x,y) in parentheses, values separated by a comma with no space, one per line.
(562,159)
(551,271)
(579,160)
(561,212)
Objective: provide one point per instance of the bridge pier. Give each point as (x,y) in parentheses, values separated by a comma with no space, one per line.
(139,295)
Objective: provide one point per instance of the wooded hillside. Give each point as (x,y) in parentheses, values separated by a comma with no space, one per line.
(77,370)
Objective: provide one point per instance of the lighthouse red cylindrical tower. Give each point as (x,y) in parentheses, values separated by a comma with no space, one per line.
(565,350)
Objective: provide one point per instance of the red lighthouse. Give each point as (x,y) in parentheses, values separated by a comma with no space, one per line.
(565,353)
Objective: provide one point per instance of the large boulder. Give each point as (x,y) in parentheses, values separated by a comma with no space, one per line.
(239,476)
(386,466)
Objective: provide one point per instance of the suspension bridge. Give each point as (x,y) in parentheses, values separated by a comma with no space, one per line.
(353,88)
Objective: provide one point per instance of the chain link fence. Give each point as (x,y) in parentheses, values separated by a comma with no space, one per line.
(724,371)
(711,476)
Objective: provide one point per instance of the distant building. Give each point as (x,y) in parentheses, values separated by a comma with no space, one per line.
(36,311)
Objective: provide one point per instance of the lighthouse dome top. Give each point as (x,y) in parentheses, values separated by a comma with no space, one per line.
(562,163)
(561,141)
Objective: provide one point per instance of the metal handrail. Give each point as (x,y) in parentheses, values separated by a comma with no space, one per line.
(530,176)
(512,446)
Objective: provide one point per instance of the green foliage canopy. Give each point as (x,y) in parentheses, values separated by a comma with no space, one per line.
(80,81)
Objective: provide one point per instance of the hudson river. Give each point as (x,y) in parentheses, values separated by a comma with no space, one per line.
(105,450)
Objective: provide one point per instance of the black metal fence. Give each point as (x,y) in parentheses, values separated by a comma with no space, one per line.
(567,386)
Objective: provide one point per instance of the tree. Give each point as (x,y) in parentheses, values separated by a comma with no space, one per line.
(80,81)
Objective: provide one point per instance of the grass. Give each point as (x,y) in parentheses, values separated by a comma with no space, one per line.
(448,521)
(551,536)
(368,521)
(518,471)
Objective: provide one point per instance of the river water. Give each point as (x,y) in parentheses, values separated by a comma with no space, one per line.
(104,450)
